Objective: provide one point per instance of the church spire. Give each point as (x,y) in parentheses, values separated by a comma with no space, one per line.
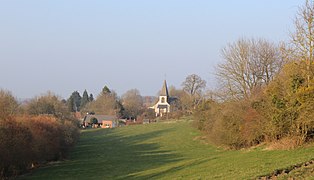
(164,90)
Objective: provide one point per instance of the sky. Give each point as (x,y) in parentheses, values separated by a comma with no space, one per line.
(72,45)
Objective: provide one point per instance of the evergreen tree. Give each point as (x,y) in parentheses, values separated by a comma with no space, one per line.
(84,99)
(119,109)
(70,104)
(74,101)
(91,98)
(106,90)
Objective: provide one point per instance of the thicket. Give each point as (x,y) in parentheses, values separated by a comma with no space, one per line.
(267,90)
(27,141)
(40,133)
(281,111)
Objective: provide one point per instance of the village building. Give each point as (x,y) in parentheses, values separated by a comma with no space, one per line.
(163,106)
(103,121)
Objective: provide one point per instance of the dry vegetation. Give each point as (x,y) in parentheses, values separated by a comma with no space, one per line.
(281,113)
(267,91)
(27,141)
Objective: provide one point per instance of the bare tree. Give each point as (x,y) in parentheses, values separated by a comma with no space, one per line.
(248,64)
(303,37)
(48,104)
(132,102)
(194,85)
(8,104)
(106,103)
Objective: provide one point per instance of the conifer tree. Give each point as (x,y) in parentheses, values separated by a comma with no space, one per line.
(91,98)
(106,90)
(74,101)
(84,100)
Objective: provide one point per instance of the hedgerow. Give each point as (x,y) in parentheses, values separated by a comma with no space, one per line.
(28,141)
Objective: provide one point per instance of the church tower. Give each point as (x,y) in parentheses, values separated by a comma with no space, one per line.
(162,106)
(164,95)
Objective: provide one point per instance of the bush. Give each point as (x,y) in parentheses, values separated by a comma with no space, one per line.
(29,140)
(280,113)
(233,124)
(288,104)
(226,129)
(15,152)
(70,134)
(46,133)
(206,114)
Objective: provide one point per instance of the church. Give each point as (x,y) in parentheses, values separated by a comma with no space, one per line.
(162,107)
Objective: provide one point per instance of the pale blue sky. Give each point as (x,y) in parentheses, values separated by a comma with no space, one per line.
(68,45)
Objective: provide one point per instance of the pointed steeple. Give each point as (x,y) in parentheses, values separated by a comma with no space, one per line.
(164,90)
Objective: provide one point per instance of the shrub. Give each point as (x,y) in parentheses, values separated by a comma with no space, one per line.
(46,132)
(252,129)
(29,140)
(233,124)
(70,134)
(227,128)
(15,152)
(288,104)
(206,114)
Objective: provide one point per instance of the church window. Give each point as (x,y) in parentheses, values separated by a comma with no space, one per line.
(162,100)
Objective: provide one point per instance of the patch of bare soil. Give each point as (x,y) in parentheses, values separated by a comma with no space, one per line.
(292,172)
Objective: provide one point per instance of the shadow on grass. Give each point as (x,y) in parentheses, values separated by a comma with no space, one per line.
(172,169)
(110,154)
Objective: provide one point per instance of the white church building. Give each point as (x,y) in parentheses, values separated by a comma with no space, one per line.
(162,107)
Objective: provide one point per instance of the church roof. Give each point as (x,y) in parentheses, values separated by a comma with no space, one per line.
(164,90)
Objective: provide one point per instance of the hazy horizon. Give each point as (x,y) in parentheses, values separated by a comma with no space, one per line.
(64,46)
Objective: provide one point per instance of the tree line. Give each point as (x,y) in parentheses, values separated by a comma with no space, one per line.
(133,105)
(266,91)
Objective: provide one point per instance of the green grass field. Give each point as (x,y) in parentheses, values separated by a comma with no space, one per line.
(163,151)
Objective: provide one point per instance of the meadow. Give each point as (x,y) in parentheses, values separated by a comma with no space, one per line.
(168,150)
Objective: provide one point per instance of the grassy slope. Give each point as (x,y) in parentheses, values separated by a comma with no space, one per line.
(164,150)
